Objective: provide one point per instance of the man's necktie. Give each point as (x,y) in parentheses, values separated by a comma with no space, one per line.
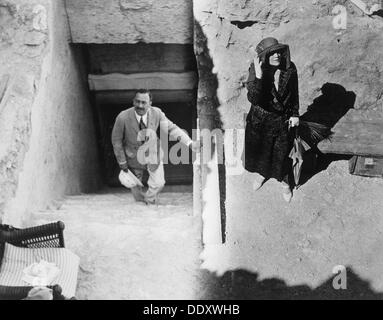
(142,124)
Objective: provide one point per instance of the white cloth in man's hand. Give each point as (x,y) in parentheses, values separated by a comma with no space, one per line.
(129,180)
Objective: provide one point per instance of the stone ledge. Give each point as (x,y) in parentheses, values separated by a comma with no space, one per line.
(152,81)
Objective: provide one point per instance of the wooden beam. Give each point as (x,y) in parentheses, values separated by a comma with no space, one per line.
(358,133)
(142,57)
(159,96)
(152,81)
(367,10)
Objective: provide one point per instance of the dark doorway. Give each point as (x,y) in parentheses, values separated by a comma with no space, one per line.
(181,113)
(156,67)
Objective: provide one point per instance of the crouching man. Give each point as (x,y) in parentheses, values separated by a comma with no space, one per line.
(137,147)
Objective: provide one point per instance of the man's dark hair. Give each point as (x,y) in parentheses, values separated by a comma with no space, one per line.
(145,91)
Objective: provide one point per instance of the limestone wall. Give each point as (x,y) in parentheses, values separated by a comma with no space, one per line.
(48,143)
(335,218)
(131,21)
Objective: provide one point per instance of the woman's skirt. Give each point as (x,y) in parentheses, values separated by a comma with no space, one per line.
(267,144)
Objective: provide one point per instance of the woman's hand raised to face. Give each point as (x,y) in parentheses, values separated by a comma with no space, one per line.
(258,66)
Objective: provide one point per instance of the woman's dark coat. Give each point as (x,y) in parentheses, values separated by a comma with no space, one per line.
(267,139)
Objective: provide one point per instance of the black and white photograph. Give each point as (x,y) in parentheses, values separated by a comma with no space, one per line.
(204,152)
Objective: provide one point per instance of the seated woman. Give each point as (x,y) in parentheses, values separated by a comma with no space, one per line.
(273,92)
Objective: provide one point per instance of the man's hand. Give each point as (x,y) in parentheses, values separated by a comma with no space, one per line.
(293,122)
(124,167)
(196,146)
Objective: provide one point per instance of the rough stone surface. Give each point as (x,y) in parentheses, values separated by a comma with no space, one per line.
(322,58)
(122,21)
(47,146)
(335,218)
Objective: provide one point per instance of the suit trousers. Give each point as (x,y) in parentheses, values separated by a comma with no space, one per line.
(156,183)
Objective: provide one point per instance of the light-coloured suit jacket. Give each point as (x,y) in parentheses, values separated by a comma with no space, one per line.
(129,142)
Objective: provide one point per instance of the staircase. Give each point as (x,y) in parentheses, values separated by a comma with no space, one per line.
(129,250)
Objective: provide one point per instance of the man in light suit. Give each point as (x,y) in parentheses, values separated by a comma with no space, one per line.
(137,146)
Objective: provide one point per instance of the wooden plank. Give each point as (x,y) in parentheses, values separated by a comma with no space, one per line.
(141,57)
(159,96)
(366,166)
(358,133)
(152,81)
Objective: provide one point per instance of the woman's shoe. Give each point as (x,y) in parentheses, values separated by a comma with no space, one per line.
(287,193)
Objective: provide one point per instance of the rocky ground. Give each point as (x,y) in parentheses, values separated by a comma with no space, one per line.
(284,251)
(280,250)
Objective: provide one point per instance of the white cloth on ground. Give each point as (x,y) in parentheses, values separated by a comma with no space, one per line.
(40,274)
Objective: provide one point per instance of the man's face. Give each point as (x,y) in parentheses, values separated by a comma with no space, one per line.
(142,103)
(275,59)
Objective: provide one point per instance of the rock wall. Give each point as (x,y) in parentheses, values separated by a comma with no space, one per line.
(48,143)
(127,21)
(335,218)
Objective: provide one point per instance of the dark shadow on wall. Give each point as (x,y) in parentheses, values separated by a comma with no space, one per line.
(334,102)
(95,112)
(244,285)
(378,13)
(332,105)
(208,113)
(243,24)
